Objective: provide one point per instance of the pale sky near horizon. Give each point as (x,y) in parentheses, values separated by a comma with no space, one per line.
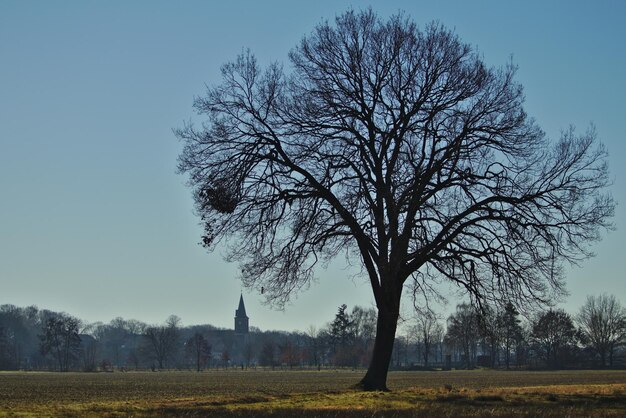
(95,221)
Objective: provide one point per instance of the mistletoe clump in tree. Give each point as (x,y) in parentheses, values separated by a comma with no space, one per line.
(401,147)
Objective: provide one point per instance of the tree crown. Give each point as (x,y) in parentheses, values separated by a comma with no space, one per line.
(397,145)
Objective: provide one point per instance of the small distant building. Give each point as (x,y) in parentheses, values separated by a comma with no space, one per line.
(241,319)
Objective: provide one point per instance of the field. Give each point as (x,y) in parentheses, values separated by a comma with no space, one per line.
(235,393)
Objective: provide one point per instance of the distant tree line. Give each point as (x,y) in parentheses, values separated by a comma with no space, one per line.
(39,339)
(595,337)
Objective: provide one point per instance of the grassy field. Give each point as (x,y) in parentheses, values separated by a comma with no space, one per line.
(236,393)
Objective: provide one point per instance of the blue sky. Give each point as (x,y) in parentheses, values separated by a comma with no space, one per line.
(94,219)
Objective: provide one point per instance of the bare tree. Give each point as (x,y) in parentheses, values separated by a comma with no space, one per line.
(463,331)
(554,335)
(603,322)
(60,338)
(363,323)
(198,350)
(490,332)
(429,333)
(162,341)
(364,326)
(398,146)
(314,346)
(289,353)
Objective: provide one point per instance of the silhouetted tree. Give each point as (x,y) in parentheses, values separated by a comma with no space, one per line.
(603,322)
(114,337)
(428,332)
(198,349)
(60,339)
(314,346)
(364,329)
(289,354)
(342,338)
(341,327)
(490,332)
(363,323)
(402,147)
(554,335)
(162,341)
(510,331)
(120,342)
(463,331)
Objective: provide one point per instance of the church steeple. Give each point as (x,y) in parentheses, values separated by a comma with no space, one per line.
(241,319)
(241,311)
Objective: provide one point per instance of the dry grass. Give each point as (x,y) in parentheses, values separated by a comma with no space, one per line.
(314,394)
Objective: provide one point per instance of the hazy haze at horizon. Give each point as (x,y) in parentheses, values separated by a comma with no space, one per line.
(95,221)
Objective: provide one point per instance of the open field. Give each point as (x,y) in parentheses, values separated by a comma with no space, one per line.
(238,393)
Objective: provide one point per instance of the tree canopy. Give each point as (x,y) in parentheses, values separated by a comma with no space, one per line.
(398,146)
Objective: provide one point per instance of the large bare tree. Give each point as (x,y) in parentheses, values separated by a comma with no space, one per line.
(397,146)
(603,322)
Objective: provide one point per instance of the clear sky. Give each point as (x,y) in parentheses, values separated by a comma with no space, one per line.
(94,219)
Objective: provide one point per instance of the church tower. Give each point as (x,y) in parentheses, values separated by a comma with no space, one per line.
(241,320)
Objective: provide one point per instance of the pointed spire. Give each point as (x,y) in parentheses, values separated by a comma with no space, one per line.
(241,319)
(241,310)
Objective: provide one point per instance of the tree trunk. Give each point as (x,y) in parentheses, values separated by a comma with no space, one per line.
(376,376)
